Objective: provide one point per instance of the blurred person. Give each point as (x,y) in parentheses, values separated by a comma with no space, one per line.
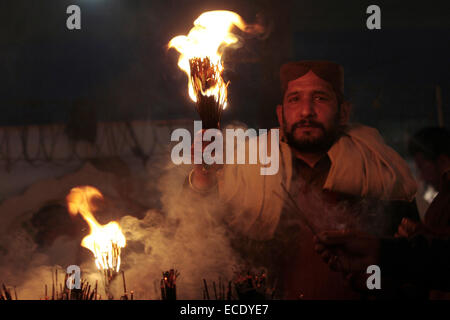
(422,260)
(430,148)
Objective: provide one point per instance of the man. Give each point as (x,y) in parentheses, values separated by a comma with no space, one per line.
(340,175)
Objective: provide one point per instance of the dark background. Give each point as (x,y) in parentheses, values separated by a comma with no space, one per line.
(119,61)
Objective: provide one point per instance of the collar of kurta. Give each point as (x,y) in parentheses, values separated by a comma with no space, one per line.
(363,165)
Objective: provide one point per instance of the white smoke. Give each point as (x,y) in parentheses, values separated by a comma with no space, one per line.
(189,238)
(187,235)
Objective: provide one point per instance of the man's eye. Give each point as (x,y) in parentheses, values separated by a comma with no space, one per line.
(320,98)
(293,99)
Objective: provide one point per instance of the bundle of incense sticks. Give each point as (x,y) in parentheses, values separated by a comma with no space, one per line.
(125,293)
(221,292)
(85,292)
(115,257)
(169,285)
(253,286)
(205,75)
(5,293)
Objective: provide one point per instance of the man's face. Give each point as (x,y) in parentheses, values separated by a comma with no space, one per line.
(310,114)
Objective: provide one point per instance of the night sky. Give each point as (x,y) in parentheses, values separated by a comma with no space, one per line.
(119,60)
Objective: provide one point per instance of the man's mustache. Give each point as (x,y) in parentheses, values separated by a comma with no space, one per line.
(307,123)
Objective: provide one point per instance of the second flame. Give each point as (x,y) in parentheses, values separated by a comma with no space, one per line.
(105,241)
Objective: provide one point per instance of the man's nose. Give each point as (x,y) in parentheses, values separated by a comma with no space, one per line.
(306,108)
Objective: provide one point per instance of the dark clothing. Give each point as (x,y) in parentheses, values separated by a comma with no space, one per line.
(304,273)
(423,260)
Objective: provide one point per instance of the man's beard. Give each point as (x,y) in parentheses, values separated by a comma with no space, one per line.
(309,144)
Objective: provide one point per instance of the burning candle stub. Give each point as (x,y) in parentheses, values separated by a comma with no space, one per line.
(104,241)
(169,285)
(201,59)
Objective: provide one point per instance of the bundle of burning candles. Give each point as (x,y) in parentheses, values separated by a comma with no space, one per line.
(201,59)
(105,241)
(205,75)
(169,285)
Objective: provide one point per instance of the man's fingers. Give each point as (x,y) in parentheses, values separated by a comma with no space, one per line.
(336,237)
(409,225)
(319,248)
(407,228)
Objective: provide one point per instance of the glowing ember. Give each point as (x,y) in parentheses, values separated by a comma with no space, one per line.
(105,241)
(201,53)
(430,194)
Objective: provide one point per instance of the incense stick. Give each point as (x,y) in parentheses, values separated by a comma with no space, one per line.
(292,204)
(206,289)
(215,291)
(124,285)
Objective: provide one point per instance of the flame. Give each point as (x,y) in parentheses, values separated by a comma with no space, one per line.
(105,241)
(208,39)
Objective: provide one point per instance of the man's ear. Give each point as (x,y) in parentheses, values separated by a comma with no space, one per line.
(280,115)
(344,112)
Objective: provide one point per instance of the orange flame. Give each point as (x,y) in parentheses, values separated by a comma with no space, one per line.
(105,241)
(208,39)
